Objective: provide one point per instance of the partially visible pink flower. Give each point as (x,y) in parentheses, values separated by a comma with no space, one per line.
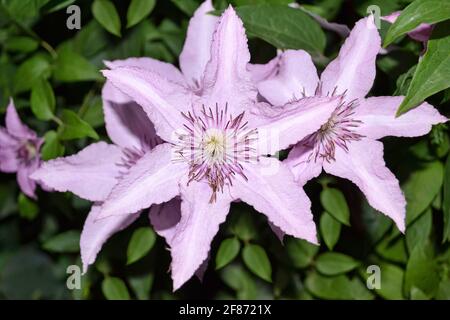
(346,146)
(19,150)
(421,33)
(214,151)
(93,172)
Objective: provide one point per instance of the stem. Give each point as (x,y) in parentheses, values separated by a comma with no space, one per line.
(57,120)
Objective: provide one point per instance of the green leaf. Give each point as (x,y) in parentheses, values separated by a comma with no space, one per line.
(74,127)
(72,67)
(242,225)
(417,294)
(419,231)
(338,287)
(300,252)
(330,228)
(332,263)
(391,285)
(187,6)
(31,71)
(23,9)
(52,147)
(141,285)
(142,241)
(443,292)
(43,100)
(421,188)
(420,11)
(255,258)
(237,278)
(106,14)
(283,27)
(393,248)
(66,242)
(29,274)
(28,209)
(21,44)
(115,289)
(228,250)
(432,72)
(333,201)
(446,201)
(422,271)
(138,10)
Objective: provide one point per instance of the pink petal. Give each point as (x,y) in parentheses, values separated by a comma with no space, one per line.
(261,72)
(227,79)
(353,71)
(90,174)
(97,232)
(126,123)
(152,180)
(200,220)
(270,188)
(364,165)
(297,77)
(281,127)
(15,126)
(162,100)
(8,160)
(379,120)
(302,163)
(197,47)
(6,140)
(164,69)
(277,231)
(26,184)
(164,218)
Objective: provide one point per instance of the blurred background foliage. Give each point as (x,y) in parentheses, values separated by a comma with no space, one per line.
(53,75)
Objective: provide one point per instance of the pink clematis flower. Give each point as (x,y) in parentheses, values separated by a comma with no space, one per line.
(19,150)
(216,144)
(94,171)
(346,146)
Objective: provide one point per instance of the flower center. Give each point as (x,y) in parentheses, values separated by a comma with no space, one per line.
(336,132)
(27,151)
(215,144)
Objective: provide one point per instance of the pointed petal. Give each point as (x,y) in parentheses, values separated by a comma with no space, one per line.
(303,164)
(197,47)
(277,231)
(378,118)
(270,188)
(152,180)
(162,100)
(364,165)
(261,72)
(97,232)
(281,127)
(164,69)
(297,77)
(164,218)
(200,220)
(227,79)
(26,184)
(126,123)
(90,174)
(15,126)
(8,160)
(200,273)
(353,71)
